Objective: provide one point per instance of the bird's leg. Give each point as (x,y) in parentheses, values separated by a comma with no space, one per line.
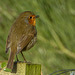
(23,57)
(17,58)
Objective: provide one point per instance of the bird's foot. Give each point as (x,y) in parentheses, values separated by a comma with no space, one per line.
(27,62)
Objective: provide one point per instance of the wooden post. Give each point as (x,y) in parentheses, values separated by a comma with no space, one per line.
(21,68)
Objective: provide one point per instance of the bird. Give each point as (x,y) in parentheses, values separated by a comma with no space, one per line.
(22,36)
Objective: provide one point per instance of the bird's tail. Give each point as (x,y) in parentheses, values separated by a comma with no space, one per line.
(13,47)
(10,60)
(12,55)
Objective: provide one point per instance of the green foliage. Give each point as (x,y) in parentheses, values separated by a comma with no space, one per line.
(3,64)
(55,48)
(7,70)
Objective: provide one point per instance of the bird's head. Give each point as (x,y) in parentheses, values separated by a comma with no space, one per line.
(29,17)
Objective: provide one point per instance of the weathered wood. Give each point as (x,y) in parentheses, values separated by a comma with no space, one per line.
(21,68)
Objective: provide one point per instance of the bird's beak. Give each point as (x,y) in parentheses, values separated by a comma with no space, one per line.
(37,16)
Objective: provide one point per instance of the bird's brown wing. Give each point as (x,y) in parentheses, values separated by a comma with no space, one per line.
(8,41)
(24,41)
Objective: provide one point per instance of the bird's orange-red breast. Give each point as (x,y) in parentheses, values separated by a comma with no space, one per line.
(22,36)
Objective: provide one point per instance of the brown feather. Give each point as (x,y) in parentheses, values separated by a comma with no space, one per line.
(11,57)
(20,35)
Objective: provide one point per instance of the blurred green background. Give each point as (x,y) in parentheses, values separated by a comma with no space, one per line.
(55,47)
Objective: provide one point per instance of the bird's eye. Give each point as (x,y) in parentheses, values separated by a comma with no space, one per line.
(30,17)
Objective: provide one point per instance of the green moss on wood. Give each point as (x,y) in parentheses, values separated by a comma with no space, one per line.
(21,68)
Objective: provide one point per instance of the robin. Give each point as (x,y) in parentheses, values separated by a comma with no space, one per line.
(22,36)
